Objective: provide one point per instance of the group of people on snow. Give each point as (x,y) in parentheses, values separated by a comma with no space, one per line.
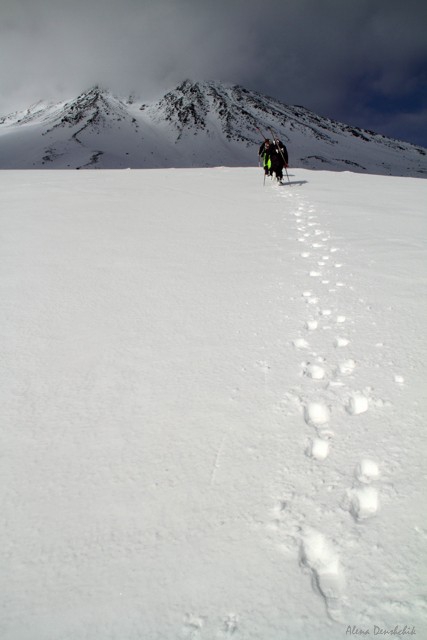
(274,156)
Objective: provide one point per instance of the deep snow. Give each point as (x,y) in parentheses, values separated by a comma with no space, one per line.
(213,398)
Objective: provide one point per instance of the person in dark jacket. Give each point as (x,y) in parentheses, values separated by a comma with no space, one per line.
(278,155)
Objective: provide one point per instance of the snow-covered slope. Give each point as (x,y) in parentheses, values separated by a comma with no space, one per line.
(196,124)
(213,405)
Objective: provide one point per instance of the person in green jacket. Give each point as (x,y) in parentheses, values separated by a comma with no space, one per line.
(264,154)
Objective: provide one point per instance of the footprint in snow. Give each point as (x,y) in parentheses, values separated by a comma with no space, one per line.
(311,325)
(318,448)
(362,500)
(357,403)
(318,555)
(316,414)
(193,624)
(341,342)
(347,367)
(367,471)
(300,343)
(314,371)
(230,625)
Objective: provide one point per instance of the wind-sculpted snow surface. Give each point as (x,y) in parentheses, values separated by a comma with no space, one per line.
(212,405)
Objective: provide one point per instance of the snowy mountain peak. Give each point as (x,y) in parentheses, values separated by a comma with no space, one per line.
(194,124)
(211,105)
(95,107)
(186,106)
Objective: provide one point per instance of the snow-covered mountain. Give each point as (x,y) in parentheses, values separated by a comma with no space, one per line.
(198,124)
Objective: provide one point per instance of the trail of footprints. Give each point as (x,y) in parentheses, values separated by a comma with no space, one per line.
(318,555)
(194,627)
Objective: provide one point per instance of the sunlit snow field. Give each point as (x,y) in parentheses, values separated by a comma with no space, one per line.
(213,405)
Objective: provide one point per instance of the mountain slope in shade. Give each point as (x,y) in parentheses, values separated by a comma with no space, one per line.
(198,124)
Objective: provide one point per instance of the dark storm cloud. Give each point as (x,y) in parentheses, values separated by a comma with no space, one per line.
(361,61)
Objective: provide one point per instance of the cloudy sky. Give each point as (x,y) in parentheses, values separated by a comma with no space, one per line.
(363,62)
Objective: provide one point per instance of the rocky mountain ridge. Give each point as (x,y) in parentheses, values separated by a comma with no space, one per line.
(197,124)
